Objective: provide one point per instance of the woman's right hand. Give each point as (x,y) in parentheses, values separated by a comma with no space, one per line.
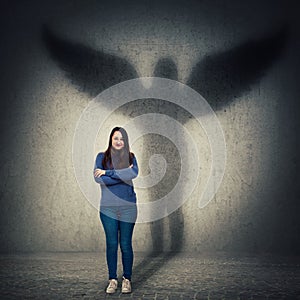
(99,172)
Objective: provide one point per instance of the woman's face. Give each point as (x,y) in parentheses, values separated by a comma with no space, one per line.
(117,140)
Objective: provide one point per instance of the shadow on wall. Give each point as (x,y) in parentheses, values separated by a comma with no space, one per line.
(220,78)
(160,235)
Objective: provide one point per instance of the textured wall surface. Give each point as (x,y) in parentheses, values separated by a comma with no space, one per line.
(242,56)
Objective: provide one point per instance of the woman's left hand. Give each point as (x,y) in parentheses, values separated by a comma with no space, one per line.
(99,172)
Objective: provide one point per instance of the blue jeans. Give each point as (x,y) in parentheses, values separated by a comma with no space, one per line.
(118,223)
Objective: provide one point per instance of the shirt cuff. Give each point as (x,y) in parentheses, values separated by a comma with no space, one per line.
(109,172)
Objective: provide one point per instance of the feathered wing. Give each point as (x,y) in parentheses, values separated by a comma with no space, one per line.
(222,77)
(90,70)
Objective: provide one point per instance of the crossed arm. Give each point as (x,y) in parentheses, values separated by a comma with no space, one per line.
(111,177)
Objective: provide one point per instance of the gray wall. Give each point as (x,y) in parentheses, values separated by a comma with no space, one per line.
(242,56)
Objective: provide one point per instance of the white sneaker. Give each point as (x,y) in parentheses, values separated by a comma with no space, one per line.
(126,286)
(112,286)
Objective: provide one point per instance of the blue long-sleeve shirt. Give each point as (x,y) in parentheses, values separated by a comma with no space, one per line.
(116,185)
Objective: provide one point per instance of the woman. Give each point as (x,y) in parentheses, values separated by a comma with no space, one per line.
(114,170)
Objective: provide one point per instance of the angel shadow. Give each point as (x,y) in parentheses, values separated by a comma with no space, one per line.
(221,78)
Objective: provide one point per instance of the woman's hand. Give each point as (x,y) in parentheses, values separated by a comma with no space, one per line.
(99,172)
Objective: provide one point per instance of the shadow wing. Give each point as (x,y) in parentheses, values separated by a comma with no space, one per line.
(90,70)
(222,77)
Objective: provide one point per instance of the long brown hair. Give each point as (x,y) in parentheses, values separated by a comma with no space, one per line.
(123,157)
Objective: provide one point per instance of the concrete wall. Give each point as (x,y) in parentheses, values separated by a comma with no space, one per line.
(242,56)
